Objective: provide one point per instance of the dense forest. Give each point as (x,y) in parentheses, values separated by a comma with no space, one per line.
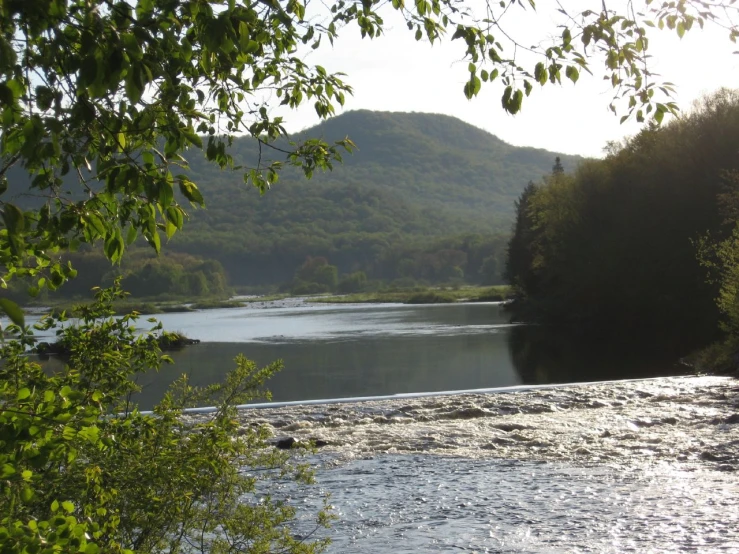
(643,244)
(417,184)
(424,199)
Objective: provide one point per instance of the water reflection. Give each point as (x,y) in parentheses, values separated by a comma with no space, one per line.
(367,367)
(369,350)
(346,351)
(543,355)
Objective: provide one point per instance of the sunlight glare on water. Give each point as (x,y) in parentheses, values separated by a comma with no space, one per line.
(394,504)
(630,466)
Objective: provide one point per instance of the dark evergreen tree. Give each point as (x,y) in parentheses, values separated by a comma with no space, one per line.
(610,250)
(557,168)
(518,266)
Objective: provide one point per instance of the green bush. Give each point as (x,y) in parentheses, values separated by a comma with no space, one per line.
(354,282)
(301,287)
(82,470)
(429,298)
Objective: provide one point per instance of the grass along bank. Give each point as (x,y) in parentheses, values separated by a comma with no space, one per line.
(420,295)
(416,295)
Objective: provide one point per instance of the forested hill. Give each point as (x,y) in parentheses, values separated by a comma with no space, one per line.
(644,244)
(423,198)
(436,161)
(429,160)
(414,177)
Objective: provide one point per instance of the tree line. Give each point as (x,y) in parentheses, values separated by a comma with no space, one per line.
(641,244)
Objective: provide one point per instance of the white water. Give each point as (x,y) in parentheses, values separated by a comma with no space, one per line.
(633,466)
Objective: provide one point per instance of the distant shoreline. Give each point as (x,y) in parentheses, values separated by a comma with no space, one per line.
(419,295)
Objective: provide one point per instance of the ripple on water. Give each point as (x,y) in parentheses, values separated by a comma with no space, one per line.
(686,420)
(641,466)
(394,504)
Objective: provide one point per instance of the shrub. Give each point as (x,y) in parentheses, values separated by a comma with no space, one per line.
(82,470)
(429,298)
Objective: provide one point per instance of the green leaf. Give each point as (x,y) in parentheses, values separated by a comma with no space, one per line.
(155,241)
(472,87)
(27,494)
(114,246)
(94,225)
(131,235)
(193,138)
(134,89)
(165,192)
(659,116)
(540,73)
(13,311)
(13,219)
(190,191)
(681,29)
(174,214)
(24,393)
(169,229)
(572,73)
(68,506)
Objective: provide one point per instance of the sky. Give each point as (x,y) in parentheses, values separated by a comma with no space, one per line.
(396,73)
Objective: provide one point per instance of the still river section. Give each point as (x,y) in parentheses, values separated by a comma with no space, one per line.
(633,466)
(347,351)
(340,351)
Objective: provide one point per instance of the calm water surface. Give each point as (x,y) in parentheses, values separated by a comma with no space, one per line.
(341,351)
(347,350)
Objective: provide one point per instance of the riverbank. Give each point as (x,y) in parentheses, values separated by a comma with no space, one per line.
(419,295)
(442,295)
(688,422)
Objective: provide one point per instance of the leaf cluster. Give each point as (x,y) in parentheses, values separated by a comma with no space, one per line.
(81,469)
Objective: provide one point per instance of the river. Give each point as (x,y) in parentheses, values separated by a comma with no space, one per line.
(629,466)
(641,466)
(345,351)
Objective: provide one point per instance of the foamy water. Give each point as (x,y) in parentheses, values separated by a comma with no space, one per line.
(639,466)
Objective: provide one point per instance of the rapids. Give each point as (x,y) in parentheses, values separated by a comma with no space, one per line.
(629,466)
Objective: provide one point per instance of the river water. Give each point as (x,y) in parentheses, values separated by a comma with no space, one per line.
(344,351)
(632,466)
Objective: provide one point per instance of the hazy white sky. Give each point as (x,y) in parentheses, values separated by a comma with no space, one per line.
(396,73)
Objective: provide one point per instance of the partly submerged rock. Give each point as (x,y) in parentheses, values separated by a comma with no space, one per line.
(287,443)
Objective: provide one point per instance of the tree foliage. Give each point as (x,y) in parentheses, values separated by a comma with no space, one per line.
(110,95)
(611,248)
(82,470)
(392,193)
(99,104)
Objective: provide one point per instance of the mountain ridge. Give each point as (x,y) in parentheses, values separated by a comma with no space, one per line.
(415,180)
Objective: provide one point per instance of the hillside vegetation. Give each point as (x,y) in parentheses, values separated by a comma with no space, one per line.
(642,245)
(414,182)
(423,199)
